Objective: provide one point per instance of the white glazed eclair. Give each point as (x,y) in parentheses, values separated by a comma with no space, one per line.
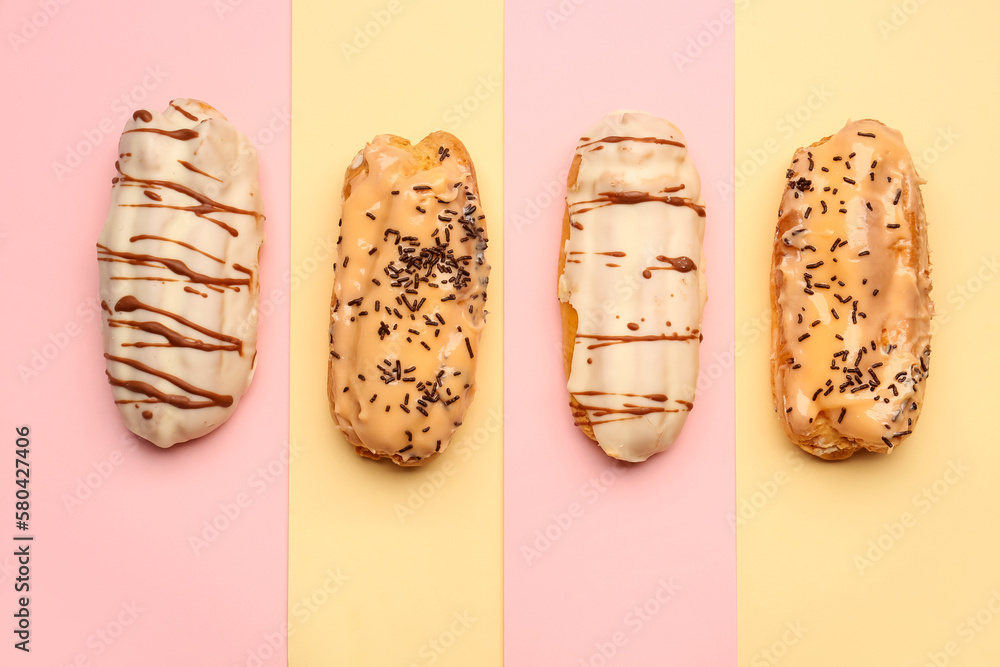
(850,294)
(409,298)
(632,284)
(178,260)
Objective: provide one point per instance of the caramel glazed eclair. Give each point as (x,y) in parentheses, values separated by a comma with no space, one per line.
(632,284)
(409,297)
(178,260)
(850,294)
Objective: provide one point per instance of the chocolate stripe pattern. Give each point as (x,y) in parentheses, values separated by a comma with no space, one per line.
(178,260)
(634,275)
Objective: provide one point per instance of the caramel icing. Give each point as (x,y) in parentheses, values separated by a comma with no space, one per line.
(408,300)
(637,198)
(852,280)
(179,308)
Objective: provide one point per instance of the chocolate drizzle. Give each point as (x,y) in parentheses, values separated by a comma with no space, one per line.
(679,264)
(191,369)
(175,265)
(184,134)
(642,140)
(173,338)
(628,409)
(176,400)
(128,304)
(141,237)
(659,398)
(631,197)
(184,113)
(206,205)
(191,167)
(643,171)
(617,340)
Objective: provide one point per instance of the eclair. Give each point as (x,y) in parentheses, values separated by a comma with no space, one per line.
(409,298)
(632,284)
(178,258)
(850,294)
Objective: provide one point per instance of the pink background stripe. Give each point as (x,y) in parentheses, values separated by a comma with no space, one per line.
(606,564)
(116,577)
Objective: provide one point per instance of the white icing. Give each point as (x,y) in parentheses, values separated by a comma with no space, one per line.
(231,161)
(608,298)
